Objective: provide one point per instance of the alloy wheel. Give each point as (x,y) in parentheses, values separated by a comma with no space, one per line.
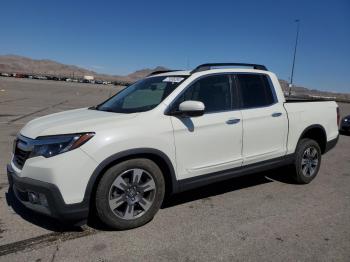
(132,193)
(309,161)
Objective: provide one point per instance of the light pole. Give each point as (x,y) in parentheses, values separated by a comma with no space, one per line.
(295,52)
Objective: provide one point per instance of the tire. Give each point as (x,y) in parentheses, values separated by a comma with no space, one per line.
(130,193)
(307,164)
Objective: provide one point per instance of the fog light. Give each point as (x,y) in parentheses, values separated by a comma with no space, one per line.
(33,198)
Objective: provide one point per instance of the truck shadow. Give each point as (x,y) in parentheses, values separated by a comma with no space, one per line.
(281,175)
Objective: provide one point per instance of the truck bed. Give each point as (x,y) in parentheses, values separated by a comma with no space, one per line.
(303,114)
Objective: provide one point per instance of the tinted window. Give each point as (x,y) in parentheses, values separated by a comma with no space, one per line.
(213,91)
(255,90)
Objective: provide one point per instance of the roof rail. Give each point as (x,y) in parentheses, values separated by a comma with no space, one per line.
(204,67)
(161,72)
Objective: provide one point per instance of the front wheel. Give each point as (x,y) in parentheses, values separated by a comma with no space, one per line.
(307,161)
(130,194)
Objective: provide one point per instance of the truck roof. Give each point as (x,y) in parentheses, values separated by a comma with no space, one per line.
(228,67)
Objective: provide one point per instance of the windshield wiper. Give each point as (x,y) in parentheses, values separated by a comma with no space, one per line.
(107,110)
(96,107)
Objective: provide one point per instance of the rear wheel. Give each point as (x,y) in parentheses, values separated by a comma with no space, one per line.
(130,194)
(307,161)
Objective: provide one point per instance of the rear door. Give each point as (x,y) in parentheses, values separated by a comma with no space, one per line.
(265,123)
(211,142)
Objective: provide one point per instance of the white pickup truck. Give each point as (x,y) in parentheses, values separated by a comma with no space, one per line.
(169,132)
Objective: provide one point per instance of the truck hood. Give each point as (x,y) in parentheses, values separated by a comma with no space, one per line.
(72,121)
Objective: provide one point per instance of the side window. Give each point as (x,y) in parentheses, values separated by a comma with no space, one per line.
(213,91)
(255,90)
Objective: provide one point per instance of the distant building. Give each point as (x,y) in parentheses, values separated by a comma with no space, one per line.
(90,78)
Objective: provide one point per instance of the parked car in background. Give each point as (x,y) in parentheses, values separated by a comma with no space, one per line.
(345,125)
(40,77)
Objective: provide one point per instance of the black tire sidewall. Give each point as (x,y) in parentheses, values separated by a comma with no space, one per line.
(102,194)
(302,146)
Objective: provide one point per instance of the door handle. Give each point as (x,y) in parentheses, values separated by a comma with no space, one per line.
(277,114)
(233,121)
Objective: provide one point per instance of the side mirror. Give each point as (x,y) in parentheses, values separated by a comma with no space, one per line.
(191,108)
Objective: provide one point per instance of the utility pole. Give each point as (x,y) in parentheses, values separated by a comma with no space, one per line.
(295,52)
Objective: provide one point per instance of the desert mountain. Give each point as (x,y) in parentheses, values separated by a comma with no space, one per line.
(20,64)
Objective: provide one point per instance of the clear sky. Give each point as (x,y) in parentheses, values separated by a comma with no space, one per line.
(119,37)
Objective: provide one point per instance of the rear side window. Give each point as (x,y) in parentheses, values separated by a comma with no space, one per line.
(255,90)
(214,91)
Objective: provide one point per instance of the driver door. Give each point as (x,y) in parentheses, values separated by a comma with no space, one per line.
(211,142)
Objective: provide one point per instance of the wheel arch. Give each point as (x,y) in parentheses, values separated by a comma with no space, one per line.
(160,158)
(317,133)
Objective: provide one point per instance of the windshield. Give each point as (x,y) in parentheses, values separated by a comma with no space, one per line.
(142,96)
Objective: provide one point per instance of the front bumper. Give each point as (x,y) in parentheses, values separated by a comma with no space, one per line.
(54,206)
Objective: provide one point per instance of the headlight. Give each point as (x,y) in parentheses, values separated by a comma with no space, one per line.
(48,146)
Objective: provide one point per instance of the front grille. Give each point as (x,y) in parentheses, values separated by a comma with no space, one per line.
(20,155)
